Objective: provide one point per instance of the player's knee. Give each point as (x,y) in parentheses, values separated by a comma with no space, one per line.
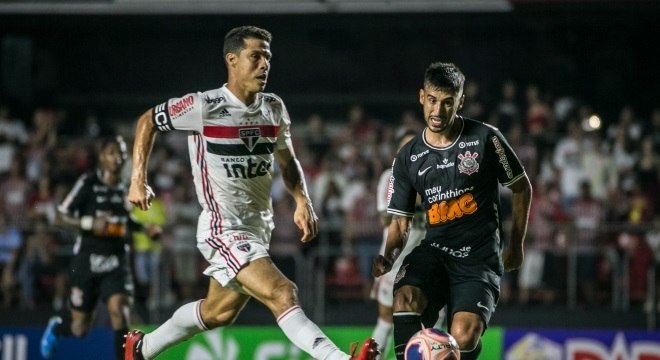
(284,294)
(118,318)
(467,339)
(79,329)
(409,298)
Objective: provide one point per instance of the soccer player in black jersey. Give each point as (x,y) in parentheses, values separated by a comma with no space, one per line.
(96,207)
(455,164)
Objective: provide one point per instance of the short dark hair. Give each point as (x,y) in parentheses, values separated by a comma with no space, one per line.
(235,38)
(444,76)
(104,141)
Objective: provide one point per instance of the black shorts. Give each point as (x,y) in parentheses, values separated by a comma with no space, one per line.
(471,286)
(95,277)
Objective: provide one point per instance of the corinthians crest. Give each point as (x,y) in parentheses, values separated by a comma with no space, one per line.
(468,164)
(250,137)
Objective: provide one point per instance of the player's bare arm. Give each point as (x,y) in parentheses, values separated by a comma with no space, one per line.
(304,217)
(522,196)
(397,233)
(139,192)
(73,223)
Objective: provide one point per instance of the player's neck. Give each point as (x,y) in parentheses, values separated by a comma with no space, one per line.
(108,177)
(245,96)
(444,138)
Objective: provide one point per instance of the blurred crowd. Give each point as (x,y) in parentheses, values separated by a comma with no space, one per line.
(594,222)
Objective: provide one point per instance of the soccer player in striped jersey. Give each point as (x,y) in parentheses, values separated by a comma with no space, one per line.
(235,134)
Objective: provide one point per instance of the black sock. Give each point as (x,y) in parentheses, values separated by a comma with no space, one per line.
(119,343)
(405,325)
(472,355)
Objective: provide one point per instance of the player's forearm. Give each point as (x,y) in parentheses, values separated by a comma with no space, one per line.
(521,201)
(397,233)
(294,181)
(145,136)
(71,223)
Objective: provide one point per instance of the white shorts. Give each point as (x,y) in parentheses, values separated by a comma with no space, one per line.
(531,272)
(382,289)
(228,252)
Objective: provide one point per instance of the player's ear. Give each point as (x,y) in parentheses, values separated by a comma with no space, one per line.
(421,96)
(462,101)
(231,59)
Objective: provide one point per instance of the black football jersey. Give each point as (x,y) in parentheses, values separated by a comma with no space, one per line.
(459,187)
(91,197)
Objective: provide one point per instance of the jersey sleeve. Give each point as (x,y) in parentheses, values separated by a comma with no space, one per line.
(508,167)
(284,135)
(184,113)
(401,196)
(383,190)
(72,203)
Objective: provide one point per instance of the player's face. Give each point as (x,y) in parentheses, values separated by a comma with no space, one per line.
(439,107)
(250,67)
(112,157)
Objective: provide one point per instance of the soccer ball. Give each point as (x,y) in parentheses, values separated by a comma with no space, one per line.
(432,344)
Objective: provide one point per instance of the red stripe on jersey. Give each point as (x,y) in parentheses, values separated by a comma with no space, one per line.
(233,132)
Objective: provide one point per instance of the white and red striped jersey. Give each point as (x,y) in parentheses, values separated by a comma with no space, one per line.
(231,148)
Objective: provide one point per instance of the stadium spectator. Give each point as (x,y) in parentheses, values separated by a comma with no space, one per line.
(600,171)
(507,109)
(567,160)
(16,191)
(587,213)
(147,251)
(11,241)
(13,136)
(36,265)
(182,222)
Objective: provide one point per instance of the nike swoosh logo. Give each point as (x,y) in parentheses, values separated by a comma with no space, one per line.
(421,172)
(479,304)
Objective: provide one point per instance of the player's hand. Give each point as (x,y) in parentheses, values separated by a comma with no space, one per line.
(153,231)
(306,220)
(100,223)
(140,195)
(512,258)
(381,265)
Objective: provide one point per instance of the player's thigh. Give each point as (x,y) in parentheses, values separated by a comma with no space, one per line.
(84,293)
(422,272)
(475,288)
(116,282)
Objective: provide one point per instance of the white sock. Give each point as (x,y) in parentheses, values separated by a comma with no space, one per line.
(303,333)
(184,323)
(382,333)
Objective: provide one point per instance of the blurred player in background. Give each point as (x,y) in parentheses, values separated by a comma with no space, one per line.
(235,132)
(382,290)
(455,164)
(97,209)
